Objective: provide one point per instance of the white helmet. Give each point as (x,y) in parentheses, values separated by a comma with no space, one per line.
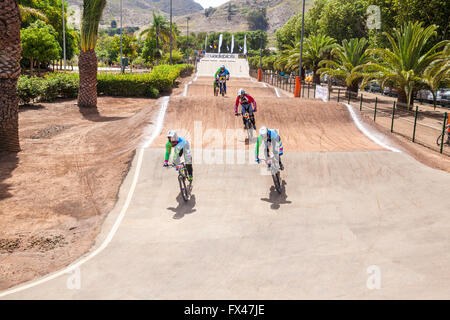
(172,135)
(263,132)
(241,92)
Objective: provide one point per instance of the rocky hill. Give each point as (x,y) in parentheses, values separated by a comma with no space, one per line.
(138,12)
(234,18)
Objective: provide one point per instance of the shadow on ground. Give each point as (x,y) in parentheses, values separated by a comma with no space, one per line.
(8,162)
(276,199)
(184,207)
(93,115)
(29,107)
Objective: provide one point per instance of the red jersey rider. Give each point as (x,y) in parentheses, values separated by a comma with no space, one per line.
(246,101)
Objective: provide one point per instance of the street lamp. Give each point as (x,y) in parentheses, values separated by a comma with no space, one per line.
(187,39)
(170,58)
(298,78)
(260,54)
(121,50)
(64,33)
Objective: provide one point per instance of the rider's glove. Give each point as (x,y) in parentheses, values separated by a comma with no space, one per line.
(257,159)
(166,163)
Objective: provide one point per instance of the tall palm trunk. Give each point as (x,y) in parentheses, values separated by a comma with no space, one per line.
(87,96)
(316,77)
(353,87)
(402,99)
(91,16)
(10,51)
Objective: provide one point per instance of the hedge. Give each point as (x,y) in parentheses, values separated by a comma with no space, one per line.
(49,88)
(65,85)
(126,85)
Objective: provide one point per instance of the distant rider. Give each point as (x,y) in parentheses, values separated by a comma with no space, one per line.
(181,147)
(269,137)
(223,72)
(246,102)
(448,131)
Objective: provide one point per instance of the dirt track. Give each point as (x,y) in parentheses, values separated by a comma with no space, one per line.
(347,205)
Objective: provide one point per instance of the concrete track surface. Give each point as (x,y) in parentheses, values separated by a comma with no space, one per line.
(349,207)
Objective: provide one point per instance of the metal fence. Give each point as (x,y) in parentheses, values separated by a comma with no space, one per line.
(286,82)
(420,124)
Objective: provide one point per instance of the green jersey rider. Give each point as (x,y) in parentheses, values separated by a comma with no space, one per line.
(180,147)
(269,137)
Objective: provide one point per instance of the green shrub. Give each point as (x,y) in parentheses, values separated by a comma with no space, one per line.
(60,85)
(29,89)
(126,85)
(163,77)
(65,85)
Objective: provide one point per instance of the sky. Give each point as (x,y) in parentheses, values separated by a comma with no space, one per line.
(211,3)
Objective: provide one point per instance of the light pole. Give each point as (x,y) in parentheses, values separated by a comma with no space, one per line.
(298,78)
(121,49)
(187,39)
(260,55)
(64,33)
(170,58)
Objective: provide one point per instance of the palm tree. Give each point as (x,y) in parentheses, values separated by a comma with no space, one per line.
(282,60)
(10,51)
(160,31)
(438,73)
(92,13)
(347,61)
(317,47)
(402,66)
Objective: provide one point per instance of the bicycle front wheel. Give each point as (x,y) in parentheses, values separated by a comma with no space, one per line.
(276,181)
(184,191)
(439,139)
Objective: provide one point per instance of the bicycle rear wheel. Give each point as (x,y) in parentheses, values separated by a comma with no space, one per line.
(249,132)
(184,191)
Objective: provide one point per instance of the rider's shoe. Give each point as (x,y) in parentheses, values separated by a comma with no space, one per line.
(281,166)
(254,126)
(190,178)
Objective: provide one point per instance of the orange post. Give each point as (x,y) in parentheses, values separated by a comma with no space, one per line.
(298,87)
(259,75)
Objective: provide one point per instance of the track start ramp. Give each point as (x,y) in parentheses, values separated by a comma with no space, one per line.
(211,62)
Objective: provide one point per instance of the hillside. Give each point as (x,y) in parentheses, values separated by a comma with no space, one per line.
(278,12)
(139,12)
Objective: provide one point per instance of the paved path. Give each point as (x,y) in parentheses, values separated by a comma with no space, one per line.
(343,216)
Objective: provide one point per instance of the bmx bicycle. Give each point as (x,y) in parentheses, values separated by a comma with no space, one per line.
(439,139)
(185,189)
(273,167)
(249,122)
(222,81)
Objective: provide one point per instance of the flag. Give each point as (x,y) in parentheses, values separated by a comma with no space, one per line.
(232,43)
(220,41)
(228,48)
(206,41)
(211,46)
(245,44)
